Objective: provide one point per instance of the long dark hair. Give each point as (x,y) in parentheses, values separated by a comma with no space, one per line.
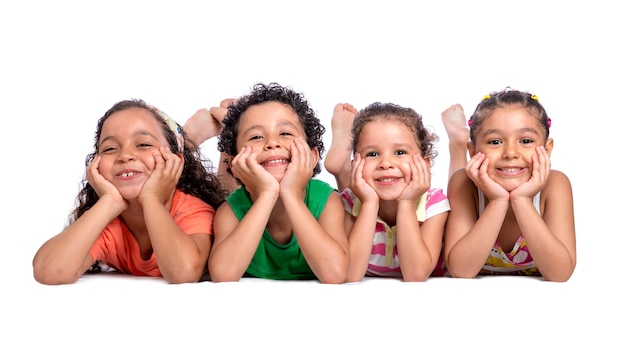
(198,178)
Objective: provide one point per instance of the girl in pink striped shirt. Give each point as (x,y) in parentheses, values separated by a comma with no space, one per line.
(394,218)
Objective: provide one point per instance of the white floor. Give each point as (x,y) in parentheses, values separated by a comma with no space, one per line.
(64,63)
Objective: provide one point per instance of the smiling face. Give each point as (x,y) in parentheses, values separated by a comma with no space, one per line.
(270,128)
(387,147)
(509,138)
(127,142)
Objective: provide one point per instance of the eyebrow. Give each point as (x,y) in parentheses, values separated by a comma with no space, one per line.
(135,134)
(283,123)
(523,130)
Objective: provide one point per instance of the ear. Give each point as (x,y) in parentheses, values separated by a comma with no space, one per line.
(427,160)
(316,154)
(471,149)
(549,145)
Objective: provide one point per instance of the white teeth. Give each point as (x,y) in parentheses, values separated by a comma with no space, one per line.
(275,161)
(510,169)
(384,180)
(128,174)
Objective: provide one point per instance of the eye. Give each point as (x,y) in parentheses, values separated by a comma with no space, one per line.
(144,145)
(527,141)
(494,141)
(286,133)
(107,149)
(371,154)
(401,152)
(256,137)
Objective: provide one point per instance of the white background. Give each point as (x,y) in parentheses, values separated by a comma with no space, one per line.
(64,63)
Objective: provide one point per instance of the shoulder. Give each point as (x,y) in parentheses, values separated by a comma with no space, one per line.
(558,184)
(319,190)
(319,185)
(184,201)
(459,182)
(558,177)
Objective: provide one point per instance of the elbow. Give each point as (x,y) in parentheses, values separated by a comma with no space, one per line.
(416,275)
(48,275)
(220,274)
(563,277)
(461,273)
(335,274)
(184,273)
(221,277)
(333,280)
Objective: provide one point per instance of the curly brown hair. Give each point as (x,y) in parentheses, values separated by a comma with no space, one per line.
(424,137)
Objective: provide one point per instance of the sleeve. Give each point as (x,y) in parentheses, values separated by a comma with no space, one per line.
(194,216)
(436,203)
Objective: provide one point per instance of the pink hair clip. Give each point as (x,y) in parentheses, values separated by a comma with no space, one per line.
(549,122)
(469,122)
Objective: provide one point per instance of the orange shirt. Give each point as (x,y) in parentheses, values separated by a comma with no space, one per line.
(117,247)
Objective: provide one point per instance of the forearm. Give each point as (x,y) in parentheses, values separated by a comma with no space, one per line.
(327,258)
(233,250)
(178,255)
(471,251)
(416,260)
(360,241)
(549,253)
(65,257)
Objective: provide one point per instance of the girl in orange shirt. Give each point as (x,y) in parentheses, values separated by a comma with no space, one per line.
(146,206)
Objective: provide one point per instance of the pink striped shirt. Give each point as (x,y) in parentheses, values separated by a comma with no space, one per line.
(384,260)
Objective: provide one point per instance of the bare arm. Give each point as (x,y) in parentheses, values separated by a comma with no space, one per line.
(419,247)
(361,230)
(469,239)
(237,241)
(181,258)
(550,238)
(65,257)
(324,243)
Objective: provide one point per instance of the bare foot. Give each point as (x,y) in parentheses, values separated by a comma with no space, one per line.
(205,124)
(456,124)
(338,158)
(458,136)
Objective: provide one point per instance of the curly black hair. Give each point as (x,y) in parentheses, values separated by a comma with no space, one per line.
(260,93)
(198,178)
(424,137)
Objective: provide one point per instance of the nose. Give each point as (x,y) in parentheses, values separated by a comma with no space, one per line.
(271,143)
(510,151)
(385,162)
(126,154)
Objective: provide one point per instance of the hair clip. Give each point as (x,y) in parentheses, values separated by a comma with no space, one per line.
(174,127)
(486,97)
(470,122)
(534,97)
(549,122)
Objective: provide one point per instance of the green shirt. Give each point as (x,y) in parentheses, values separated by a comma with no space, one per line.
(281,261)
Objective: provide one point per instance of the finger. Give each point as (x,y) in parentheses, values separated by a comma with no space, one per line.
(421,169)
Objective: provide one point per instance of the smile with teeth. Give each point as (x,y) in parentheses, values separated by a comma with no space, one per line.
(127,174)
(387,179)
(275,161)
(510,169)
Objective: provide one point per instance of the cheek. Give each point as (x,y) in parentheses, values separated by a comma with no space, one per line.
(105,167)
(368,168)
